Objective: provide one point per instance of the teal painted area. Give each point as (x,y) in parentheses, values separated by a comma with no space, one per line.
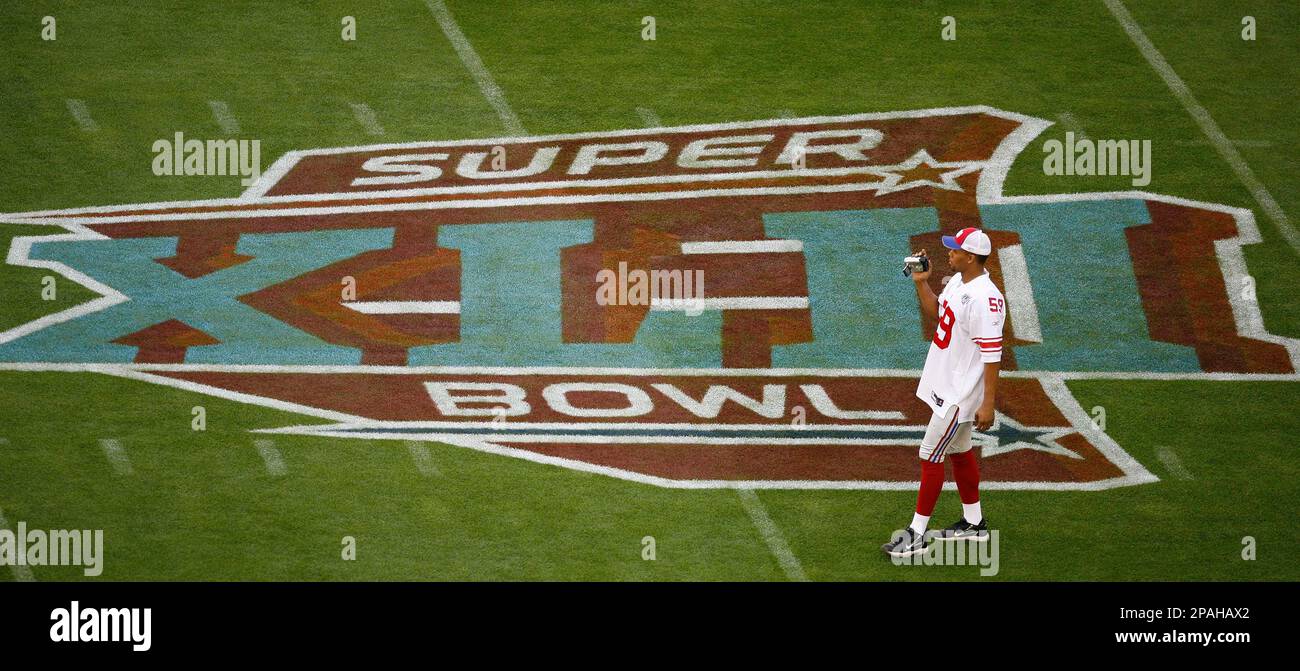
(1089,309)
(511,307)
(864,311)
(208,303)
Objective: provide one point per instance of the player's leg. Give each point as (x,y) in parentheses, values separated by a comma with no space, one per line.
(966,471)
(940,432)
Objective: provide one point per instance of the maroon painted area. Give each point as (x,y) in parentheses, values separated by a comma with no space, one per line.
(897,463)
(200,253)
(964,137)
(403,397)
(1183,290)
(414,269)
(165,342)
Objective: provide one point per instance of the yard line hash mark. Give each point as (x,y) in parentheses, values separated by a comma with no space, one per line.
(772,535)
(423,460)
(649,118)
(1208,126)
(270,455)
(367,118)
(221,112)
(1173,464)
(1070,122)
(81,113)
(116,456)
(23,572)
(495,96)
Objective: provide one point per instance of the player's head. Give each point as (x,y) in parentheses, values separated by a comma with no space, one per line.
(968,246)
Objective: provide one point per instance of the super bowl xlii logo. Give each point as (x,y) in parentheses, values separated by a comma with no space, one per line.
(473,316)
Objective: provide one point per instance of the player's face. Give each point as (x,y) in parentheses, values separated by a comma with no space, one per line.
(959,260)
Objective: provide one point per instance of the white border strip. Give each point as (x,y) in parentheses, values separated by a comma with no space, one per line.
(404,307)
(19,255)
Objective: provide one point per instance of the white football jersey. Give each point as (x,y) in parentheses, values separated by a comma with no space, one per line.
(969,333)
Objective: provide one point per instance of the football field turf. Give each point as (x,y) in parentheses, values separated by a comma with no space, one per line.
(211,505)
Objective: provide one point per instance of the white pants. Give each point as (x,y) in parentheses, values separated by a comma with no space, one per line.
(945,435)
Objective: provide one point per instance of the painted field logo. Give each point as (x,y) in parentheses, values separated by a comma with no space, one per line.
(475,317)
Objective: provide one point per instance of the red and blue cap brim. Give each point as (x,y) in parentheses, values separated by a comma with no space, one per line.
(954,241)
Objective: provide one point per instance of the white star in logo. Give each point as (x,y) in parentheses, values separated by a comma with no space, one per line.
(893,174)
(1044,441)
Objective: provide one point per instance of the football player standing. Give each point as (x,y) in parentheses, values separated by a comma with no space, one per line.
(959,382)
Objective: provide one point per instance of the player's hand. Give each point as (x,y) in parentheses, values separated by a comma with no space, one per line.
(984,417)
(922,276)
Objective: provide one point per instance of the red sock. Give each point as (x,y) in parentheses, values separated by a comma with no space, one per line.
(966,471)
(931,485)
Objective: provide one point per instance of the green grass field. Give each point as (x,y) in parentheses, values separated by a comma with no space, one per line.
(201,506)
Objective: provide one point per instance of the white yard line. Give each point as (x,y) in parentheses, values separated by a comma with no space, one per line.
(423,460)
(116,456)
(81,113)
(22,572)
(367,118)
(772,535)
(274,462)
(221,112)
(1173,464)
(1208,126)
(474,64)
